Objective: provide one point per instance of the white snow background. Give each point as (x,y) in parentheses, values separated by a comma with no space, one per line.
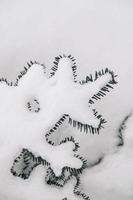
(98,33)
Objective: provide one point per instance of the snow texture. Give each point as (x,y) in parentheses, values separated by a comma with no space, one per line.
(57,97)
(113,178)
(97,33)
(24,129)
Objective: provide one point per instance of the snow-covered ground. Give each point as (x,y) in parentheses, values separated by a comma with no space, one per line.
(113,178)
(98,33)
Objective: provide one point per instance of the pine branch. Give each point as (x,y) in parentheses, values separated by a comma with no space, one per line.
(67,172)
(26,69)
(33,105)
(106,89)
(87,128)
(121,130)
(24,164)
(78,192)
(56,62)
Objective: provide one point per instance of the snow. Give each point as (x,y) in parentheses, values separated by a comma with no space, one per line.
(97,33)
(34,188)
(21,128)
(24,129)
(113,178)
(57,95)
